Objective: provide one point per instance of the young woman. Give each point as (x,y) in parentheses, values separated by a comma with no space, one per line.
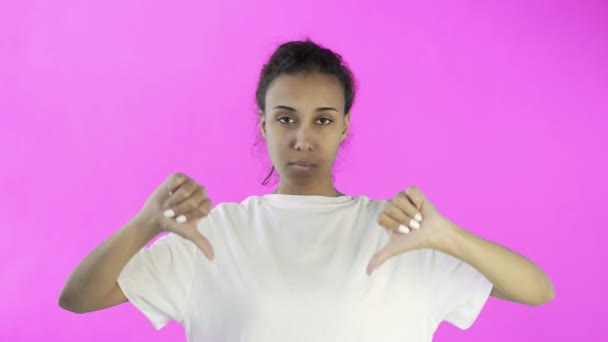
(306,263)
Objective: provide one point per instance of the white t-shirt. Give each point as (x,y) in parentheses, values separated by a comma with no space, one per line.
(293,268)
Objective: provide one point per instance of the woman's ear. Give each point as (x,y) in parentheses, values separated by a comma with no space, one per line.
(262,123)
(346,127)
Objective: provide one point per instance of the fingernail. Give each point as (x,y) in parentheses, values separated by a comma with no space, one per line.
(403,229)
(169,213)
(181,219)
(414,224)
(418,217)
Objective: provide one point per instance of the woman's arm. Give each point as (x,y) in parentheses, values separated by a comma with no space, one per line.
(415,223)
(175,206)
(515,278)
(92,285)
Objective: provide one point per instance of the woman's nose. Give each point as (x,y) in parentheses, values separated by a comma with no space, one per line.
(303,140)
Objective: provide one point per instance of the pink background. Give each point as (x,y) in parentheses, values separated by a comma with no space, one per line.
(496,110)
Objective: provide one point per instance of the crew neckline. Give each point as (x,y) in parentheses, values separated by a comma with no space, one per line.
(305,200)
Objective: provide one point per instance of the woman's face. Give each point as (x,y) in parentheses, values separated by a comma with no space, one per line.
(303,124)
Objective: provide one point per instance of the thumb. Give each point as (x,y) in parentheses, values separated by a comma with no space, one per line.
(378,259)
(203,244)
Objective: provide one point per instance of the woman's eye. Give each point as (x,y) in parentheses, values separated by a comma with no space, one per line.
(284,119)
(287,119)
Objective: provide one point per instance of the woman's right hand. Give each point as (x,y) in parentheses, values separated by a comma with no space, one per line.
(176,206)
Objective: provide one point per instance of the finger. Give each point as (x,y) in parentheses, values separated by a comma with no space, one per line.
(415,196)
(379,258)
(404,219)
(201,210)
(190,232)
(396,213)
(392,224)
(403,202)
(174,181)
(181,193)
(190,203)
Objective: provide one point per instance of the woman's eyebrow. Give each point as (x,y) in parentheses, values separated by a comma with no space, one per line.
(284,107)
(325,109)
(320,109)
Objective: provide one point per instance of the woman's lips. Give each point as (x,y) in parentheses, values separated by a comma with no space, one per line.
(302,165)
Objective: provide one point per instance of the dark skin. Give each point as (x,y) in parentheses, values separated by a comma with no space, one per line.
(304,122)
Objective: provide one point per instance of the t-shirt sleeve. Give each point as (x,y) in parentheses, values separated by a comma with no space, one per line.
(458,291)
(157,279)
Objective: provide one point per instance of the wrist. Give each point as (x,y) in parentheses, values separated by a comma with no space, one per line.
(147,224)
(449,239)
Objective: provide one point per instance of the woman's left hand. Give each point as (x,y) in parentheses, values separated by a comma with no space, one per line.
(412,222)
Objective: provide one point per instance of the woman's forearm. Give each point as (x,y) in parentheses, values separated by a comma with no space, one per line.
(97,273)
(514,277)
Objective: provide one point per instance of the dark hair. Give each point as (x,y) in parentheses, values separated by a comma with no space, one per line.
(296,57)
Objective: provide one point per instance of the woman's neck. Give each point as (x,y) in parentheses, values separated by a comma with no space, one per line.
(331,191)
